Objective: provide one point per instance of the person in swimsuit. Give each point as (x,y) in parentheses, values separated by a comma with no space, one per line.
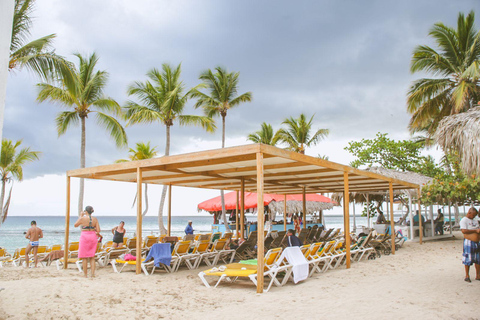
(33,234)
(88,239)
(118,234)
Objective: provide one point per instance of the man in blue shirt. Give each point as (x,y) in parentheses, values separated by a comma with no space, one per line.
(189,228)
(292,240)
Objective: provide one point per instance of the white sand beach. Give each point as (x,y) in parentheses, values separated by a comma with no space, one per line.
(421,282)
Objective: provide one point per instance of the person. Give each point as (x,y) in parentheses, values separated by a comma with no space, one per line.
(381,218)
(416,219)
(471,243)
(34,234)
(439,222)
(292,239)
(189,228)
(88,239)
(118,234)
(296,224)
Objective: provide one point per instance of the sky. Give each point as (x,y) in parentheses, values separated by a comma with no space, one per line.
(346,62)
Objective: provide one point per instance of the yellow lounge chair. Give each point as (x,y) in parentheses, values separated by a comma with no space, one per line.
(180,249)
(123,264)
(191,260)
(18,257)
(149,241)
(4,257)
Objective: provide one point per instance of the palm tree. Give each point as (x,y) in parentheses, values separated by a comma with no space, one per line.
(162,99)
(11,163)
(37,55)
(298,136)
(223,96)
(456,67)
(141,152)
(265,135)
(84,96)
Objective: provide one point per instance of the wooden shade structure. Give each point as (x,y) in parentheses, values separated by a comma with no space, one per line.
(255,168)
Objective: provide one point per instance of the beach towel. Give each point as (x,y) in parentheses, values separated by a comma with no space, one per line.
(161,253)
(88,244)
(129,257)
(299,264)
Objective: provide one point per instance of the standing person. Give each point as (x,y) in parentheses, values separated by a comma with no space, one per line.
(471,243)
(118,234)
(296,224)
(88,239)
(439,222)
(292,239)
(189,228)
(33,234)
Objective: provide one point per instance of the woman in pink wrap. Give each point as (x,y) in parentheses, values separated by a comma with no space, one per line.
(88,239)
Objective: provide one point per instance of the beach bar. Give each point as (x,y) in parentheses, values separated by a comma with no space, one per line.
(254,168)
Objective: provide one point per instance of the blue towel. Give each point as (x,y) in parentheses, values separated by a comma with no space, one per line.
(161,253)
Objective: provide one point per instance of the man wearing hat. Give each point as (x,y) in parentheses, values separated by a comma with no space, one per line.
(189,228)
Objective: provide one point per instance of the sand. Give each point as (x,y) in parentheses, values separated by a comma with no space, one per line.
(425,282)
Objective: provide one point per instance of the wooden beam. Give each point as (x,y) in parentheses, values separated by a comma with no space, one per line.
(260,213)
(242,209)
(346,217)
(420,226)
(285,213)
(67,224)
(139,222)
(304,208)
(236,215)
(392,222)
(169,210)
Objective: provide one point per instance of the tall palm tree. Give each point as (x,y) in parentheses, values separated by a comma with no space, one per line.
(141,152)
(84,96)
(11,163)
(162,99)
(298,133)
(265,135)
(455,64)
(37,55)
(222,86)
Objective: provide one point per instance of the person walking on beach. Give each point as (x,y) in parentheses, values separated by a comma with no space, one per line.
(471,243)
(296,224)
(118,234)
(88,239)
(33,234)
(189,228)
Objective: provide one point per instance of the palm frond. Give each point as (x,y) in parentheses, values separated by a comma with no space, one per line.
(113,127)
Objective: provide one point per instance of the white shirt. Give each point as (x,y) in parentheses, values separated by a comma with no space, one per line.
(469,224)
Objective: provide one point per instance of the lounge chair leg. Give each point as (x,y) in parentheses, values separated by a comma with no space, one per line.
(114,265)
(202,277)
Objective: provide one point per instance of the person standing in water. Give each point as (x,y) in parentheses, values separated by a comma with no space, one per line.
(33,234)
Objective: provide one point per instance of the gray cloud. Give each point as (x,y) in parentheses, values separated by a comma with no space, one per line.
(345,61)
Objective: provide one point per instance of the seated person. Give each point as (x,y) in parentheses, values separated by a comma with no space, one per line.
(381,218)
(292,239)
(416,219)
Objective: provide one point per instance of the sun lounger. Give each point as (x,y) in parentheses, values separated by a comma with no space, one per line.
(4,257)
(303,235)
(159,256)
(123,264)
(105,257)
(293,258)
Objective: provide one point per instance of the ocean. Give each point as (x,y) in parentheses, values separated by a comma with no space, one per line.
(12,231)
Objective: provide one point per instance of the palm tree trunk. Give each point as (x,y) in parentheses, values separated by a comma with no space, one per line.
(222,194)
(146,201)
(161,225)
(2,198)
(82,165)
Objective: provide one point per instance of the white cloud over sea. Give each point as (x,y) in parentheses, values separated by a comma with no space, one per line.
(347,62)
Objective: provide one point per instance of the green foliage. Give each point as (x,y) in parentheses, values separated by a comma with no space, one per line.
(402,155)
(142,151)
(12,161)
(455,64)
(445,189)
(365,210)
(265,135)
(298,133)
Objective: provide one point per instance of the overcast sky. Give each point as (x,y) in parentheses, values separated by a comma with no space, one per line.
(347,62)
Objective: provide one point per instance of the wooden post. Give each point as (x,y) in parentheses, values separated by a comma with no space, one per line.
(392,222)
(242,209)
(304,203)
(368,210)
(260,212)
(346,216)
(236,216)
(169,210)
(285,213)
(139,221)
(450,215)
(67,225)
(420,227)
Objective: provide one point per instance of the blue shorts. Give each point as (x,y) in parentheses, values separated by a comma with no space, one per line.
(34,243)
(471,252)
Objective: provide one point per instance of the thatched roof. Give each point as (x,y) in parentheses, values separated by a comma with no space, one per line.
(461,132)
(294,206)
